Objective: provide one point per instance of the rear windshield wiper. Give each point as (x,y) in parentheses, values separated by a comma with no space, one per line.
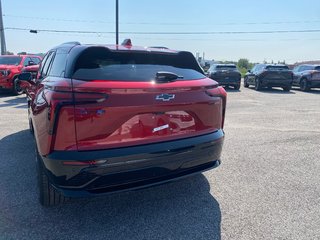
(167,77)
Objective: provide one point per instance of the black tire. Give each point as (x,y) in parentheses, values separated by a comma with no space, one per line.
(287,88)
(257,85)
(304,86)
(31,127)
(245,83)
(236,87)
(17,90)
(48,195)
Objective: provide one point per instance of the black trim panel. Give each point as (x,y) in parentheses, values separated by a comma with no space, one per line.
(133,186)
(155,148)
(132,167)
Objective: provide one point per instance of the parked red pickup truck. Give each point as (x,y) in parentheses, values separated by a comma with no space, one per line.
(11,66)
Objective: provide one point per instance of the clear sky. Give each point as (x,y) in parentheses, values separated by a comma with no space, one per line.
(173,16)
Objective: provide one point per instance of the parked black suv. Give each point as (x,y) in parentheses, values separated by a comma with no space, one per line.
(269,75)
(306,77)
(225,75)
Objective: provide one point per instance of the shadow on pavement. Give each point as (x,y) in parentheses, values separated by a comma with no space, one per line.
(312,91)
(5,93)
(17,102)
(272,91)
(229,89)
(179,210)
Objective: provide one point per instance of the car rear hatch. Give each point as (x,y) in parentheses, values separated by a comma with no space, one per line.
(315,75)
(277,73)
(126,98)
(225,73)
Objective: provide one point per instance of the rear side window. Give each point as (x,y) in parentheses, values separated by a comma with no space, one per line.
(254,68)
(46,65)
(102,64)
(277,68)
(35,60)
(317,68)
(307,68)
(260,68)
(26,61)
(58,65)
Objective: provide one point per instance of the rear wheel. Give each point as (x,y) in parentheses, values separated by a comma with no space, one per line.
(287,88)
(31,127)
(245,83)
(17,90)
(257,85)
(304,86)
(48,195)
(236,87)
(30,122)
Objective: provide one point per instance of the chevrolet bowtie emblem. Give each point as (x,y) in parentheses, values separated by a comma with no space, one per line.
(165,97)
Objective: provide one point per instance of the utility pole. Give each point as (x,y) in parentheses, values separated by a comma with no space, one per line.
(3,40)
(117,22)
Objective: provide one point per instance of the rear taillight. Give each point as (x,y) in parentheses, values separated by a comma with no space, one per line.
(89,97)
(61,89)
(63,97)
(58,100)
(219,92)
(60,118)
(224,100)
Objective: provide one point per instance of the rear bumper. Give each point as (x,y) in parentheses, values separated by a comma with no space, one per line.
(225,82)
(133,167)
(314,83)
(276,82)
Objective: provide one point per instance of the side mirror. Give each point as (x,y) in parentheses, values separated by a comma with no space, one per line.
(26,76)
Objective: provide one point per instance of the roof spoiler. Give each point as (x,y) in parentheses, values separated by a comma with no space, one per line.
(71,43)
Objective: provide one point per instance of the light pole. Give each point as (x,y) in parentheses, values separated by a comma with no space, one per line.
(3,40)
(117,22)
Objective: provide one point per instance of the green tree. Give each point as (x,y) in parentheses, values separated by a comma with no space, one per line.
(8,53)
(243,63)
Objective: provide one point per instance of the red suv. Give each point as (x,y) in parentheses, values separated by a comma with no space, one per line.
(112,118)
(10,68)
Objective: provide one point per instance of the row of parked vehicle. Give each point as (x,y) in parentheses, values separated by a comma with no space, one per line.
(261,76)
(267,76)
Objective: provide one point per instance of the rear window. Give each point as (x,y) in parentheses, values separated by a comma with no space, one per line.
(277,68)
(99,63)
(58,65)
(36,60)
(226,67)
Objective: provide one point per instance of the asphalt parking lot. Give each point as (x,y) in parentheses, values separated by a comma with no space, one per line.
(268,186)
